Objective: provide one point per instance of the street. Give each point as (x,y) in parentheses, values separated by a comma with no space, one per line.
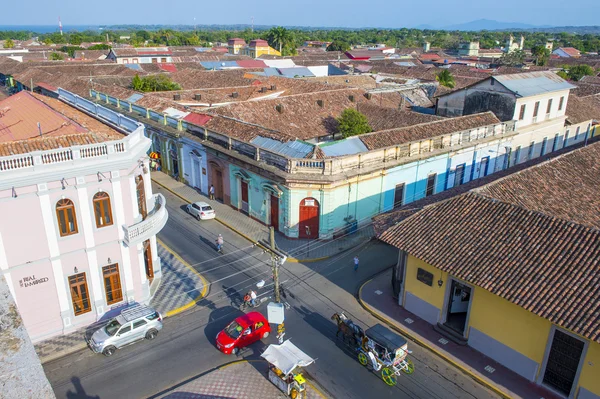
(185,347)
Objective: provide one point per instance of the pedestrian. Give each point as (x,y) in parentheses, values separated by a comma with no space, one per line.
(211,192)
(356,263)
(219,243)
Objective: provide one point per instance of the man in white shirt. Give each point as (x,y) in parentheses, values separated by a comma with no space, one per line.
(253,298)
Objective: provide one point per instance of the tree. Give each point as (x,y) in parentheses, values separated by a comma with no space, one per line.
(56,57)
(279,35)
(512,58)
(338,45)
(446,79)
(563,74)
(8,43)
(579,71)
(542,54)
(101,46)
(351,122)
(154,83)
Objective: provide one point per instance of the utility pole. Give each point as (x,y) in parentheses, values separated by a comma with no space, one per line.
(277,259)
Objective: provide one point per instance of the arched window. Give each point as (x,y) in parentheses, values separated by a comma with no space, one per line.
(67,221)
(102,210)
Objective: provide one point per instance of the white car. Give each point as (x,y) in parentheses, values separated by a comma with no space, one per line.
(201,210)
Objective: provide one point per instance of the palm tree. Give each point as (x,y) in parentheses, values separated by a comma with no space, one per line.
(279,35)
(446,79)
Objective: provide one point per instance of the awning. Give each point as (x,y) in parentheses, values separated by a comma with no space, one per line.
(286,357)
(154,155)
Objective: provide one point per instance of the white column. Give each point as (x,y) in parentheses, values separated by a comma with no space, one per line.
(3,267)
(120,219)
(88,233)
(133,190)
(59,278)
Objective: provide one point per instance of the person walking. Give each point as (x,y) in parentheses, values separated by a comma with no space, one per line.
(211,192)
(220,243)
(356,263)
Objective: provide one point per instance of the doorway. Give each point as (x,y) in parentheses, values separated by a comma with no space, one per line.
(174,160)
(197,174)
(309,218)
(217,180)
(148,261)
(244,195)
(458,307)
(563,362)
(275,212)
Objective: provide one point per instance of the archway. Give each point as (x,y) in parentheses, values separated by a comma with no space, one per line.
(174,155)
(309,218)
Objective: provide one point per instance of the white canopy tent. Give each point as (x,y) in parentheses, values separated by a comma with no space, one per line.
(286,357)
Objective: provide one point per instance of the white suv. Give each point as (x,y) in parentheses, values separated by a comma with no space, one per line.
(133,324)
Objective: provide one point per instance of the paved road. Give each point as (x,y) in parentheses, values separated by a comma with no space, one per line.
(185,347)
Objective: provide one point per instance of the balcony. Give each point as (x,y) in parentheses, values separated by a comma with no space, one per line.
(154,222)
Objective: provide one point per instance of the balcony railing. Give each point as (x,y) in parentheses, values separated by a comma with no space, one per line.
(154,222)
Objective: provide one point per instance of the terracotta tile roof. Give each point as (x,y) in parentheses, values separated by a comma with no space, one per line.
(532,238)
(301,115)
(389,118)
(20,114)
(423,131)
(49,143)
(581,109)
(584,89)
(573,52)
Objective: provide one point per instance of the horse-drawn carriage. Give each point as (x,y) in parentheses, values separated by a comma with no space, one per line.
(378,347)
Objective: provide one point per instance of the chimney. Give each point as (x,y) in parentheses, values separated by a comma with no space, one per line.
(320,103)
(273,87)
(197,97)
(40,128)
(279,108)
(176,97)
(234,94)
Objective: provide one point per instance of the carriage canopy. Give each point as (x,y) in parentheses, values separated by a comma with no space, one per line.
(386,338)
(286,357)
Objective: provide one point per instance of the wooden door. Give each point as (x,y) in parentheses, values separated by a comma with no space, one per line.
(244,194)
(218,184)
(309,218)
(141,196)
(275,212)
(148,260)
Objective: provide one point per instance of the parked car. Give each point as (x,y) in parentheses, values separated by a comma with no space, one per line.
(133,324)
(201,210)
(243,331)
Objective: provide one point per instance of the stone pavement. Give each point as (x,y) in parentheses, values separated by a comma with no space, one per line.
(376,297)
(179,289)
(241,380)
(301,249)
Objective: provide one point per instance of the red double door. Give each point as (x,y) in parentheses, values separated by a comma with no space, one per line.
(309,218)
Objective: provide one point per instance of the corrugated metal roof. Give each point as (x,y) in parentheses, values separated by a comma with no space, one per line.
(294,149)
(218,65)
(348,146)
(271,72)
(134,97)
(285,63)
(533,83)
(175,113)
(296,72)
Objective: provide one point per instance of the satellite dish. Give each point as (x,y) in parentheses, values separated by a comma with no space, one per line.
(260,284)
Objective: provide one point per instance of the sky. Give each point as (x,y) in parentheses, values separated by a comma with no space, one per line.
(338,13)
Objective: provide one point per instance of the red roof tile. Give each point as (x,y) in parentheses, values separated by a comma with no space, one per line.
(197,119)
(167,67)
(251,63)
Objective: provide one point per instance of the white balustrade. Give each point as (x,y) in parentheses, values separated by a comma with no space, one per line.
(152,224)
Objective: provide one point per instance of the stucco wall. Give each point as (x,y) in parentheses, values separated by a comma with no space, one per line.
(590,372)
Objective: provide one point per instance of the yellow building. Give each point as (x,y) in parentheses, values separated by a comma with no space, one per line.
(511,268)
(255,49)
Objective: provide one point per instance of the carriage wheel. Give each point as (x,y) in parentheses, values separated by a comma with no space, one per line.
(389,376)
(362,358)
(410,367)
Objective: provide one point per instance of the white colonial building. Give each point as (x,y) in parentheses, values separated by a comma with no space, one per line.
(79,219)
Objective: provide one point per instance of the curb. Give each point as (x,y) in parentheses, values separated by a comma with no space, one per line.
(73,349)
(289,259)
(491,386)
(202,293)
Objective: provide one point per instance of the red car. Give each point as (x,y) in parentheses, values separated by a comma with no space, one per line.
(243,331)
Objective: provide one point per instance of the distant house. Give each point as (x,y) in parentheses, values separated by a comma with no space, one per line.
(567,52)
(141,55)
(235,45)
(255,49)
(316,44)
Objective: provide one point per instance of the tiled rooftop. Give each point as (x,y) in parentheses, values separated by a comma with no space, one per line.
(427,130)
(532,238)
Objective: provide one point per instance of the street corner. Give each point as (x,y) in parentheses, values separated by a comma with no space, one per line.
(242,380)
(181,287)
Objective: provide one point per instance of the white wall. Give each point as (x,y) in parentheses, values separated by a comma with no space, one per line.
(543,99)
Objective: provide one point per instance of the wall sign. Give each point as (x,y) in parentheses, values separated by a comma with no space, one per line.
(31,280)
(425,277)
(309,202)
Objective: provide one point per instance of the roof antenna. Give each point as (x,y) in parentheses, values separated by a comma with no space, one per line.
(40,129)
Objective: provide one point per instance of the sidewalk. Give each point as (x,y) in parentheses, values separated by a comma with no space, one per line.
(298,250)
(240,380)
(180,288)
(376,296)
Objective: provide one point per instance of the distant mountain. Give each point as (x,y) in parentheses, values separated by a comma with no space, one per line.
(488,24)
